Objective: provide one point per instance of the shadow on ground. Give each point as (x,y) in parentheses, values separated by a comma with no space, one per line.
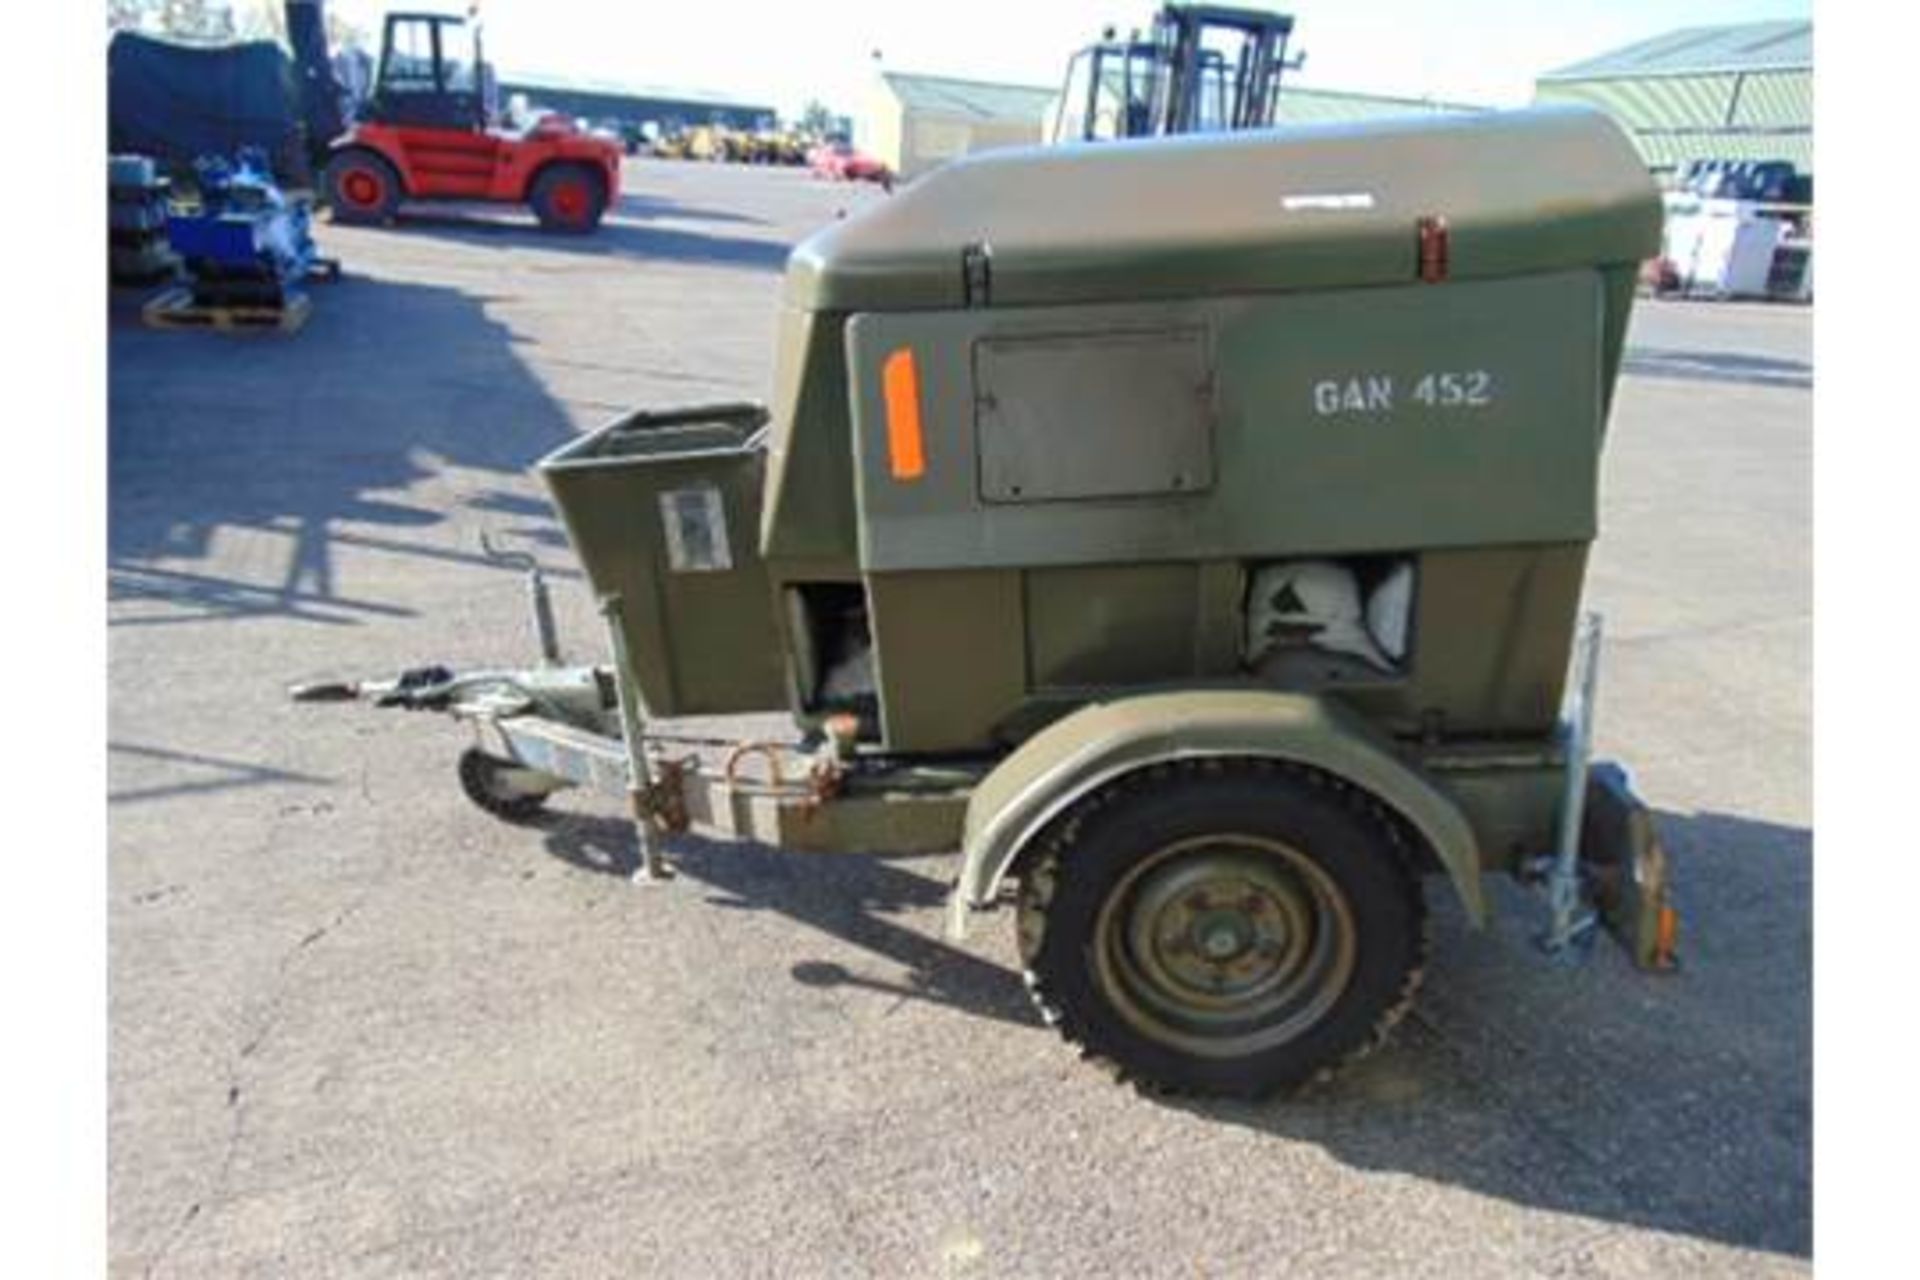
(1678,1103)
(211,773)
(616,237)
(851,898)
(1717,366)
(307,437)
(644,208)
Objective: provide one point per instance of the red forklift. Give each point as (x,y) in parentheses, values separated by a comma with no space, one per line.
(426,131)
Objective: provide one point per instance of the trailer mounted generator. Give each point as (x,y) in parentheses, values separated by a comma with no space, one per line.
(1189,531)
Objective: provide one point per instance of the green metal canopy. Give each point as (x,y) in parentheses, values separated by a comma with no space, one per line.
(1323,206)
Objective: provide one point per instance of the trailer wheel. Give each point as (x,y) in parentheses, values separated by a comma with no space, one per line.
(480,778)
(362,188)
(1223,928)
(568,198)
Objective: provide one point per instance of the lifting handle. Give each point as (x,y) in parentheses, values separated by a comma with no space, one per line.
(546,635)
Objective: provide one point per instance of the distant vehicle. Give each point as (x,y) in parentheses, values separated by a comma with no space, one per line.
(843,162)
(1201,68)
(427,133)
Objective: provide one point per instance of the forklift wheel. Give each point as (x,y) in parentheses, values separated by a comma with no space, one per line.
(1223,928)
(480,779)
(362,188)
(568,198)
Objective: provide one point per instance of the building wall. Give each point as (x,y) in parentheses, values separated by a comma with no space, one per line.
(910,142)
(1674,119)
(882,126)
(933,140)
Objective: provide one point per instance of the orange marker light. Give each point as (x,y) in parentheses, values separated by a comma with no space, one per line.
(1666,935)
(906,451)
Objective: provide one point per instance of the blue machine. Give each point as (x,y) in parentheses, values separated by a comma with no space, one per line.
(247,245)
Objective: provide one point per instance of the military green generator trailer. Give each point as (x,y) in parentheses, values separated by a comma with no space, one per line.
(1189,531)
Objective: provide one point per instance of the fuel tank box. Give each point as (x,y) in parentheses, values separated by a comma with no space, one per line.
(1312,408)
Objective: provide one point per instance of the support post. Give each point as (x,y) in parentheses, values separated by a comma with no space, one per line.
(1572,920)
(546,634)
(646,824)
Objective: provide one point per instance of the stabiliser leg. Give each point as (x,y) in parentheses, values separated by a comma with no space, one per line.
(1572,921)
(647,827)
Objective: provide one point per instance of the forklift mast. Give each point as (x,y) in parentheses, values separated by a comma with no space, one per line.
(1202,68)
(320,97)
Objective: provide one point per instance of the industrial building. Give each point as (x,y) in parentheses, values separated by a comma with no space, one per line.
(1299,105)
(1729,93)
(918,121)
(915,122)
(634,105)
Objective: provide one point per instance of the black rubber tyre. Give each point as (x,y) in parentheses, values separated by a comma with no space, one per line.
(362,188)
(568,198)
(479,780)
(1223,927)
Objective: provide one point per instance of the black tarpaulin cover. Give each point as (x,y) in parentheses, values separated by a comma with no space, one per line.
(177,102)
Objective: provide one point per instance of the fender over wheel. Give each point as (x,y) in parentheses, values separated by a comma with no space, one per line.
(1223,927)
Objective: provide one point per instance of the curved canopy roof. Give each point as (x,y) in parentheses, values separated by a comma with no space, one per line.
(1326,206)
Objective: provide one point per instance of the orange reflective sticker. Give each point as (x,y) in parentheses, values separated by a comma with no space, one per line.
(1666,935)
(900,380)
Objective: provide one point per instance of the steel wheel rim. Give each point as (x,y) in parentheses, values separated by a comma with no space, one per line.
(1224,945)
(361,188)
(570,201)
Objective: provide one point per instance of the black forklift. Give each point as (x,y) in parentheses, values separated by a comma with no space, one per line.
(1200,68)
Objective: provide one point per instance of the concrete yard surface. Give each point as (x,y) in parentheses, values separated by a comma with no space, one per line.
(360,1028)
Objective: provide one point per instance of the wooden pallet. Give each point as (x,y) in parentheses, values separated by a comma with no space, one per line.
(175,309)
(145,278)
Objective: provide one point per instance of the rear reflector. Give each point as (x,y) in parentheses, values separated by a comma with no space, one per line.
(906,452)
(1666,938)
(1434,249)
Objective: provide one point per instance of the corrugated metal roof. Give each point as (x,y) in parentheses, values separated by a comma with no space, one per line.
(1298,105)
(1776,98)
(973,99)
(1679,119)
(1747,46)
(1662,102)
(1674,119)
(1675,151)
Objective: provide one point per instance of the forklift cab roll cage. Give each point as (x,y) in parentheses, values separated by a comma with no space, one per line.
(418,83)
(1177,79)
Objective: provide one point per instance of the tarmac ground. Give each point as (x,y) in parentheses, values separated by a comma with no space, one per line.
(359,1027)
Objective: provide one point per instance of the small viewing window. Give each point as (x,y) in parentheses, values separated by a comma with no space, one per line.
(456,60)
(409,64)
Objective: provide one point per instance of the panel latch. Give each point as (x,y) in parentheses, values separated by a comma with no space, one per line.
(976,274)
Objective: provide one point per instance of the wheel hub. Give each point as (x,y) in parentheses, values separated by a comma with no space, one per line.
(361,187)
(1221,945)
(1223,938)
